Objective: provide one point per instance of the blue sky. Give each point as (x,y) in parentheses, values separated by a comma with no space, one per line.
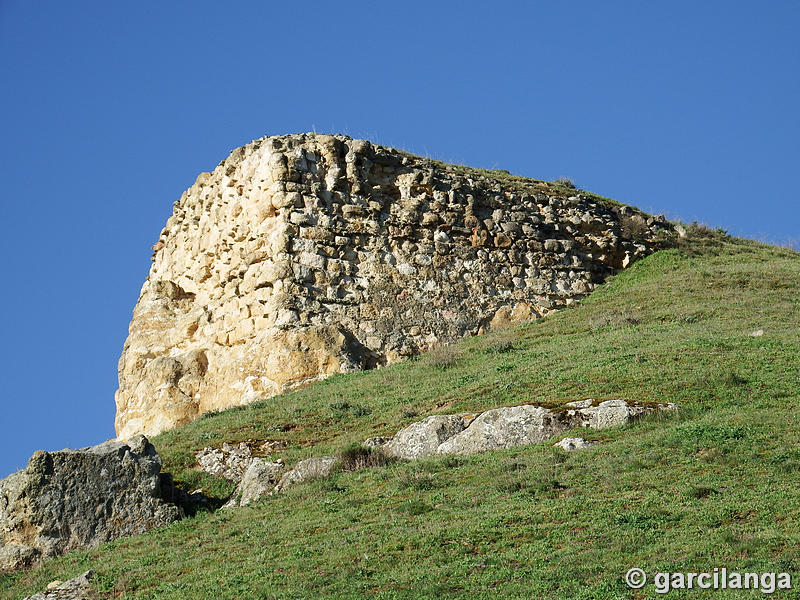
(109,110)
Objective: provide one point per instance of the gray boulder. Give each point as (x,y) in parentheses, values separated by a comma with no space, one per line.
(78,588)
(506,427)
(423,438)
(610,413)
(79,499)
(258,480)
(307,470)
(570,444)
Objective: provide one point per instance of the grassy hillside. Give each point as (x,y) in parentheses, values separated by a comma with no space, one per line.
(716,485)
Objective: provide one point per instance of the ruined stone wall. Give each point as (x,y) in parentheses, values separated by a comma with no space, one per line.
(305,255)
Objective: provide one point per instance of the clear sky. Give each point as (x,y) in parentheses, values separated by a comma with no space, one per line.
(109,110)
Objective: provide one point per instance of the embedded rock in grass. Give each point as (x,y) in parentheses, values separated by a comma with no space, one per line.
(229,462)
(81,498)
(424,437)
(377,442)
(259,480)
(232,460)
(505,428)
(570,444)
(77,588)
(307,470)
(465,433)
(610,413)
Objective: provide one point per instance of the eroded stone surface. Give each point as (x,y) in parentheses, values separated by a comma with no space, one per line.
(259,479)
(424,437)
(306,255)
(610,413)
(81,498)
(506,427)
(77,588)
(307,470)
(229,462)
(570,444)
(17,556)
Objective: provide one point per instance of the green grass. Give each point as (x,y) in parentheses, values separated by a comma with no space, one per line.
(713,486)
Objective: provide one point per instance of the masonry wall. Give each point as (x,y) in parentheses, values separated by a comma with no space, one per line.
(305,255)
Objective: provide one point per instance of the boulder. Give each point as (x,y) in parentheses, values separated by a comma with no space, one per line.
(79,499)
(307,470)
(423,438)
(377,442)
(610,413)
(506,427)
(569,444)
(229,462)
(259,480)
(77,588)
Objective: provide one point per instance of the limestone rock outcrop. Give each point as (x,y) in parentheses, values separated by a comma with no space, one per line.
(571,444)
(77,588)
(507,427)
(465,433)
(258,480)
(423,438)
(79,499)
(307,470)
(306,255)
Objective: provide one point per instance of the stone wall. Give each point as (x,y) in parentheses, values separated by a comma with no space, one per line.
(306,255)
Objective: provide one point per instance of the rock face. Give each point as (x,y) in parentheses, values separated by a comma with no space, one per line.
(80,498)
(306,255)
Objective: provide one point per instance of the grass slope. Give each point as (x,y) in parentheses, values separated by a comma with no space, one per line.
(714,486)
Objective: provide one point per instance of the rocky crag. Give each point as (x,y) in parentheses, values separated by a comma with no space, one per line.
(81,498)
(306,255)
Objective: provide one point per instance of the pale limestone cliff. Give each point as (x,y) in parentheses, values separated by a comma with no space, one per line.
(306,255)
